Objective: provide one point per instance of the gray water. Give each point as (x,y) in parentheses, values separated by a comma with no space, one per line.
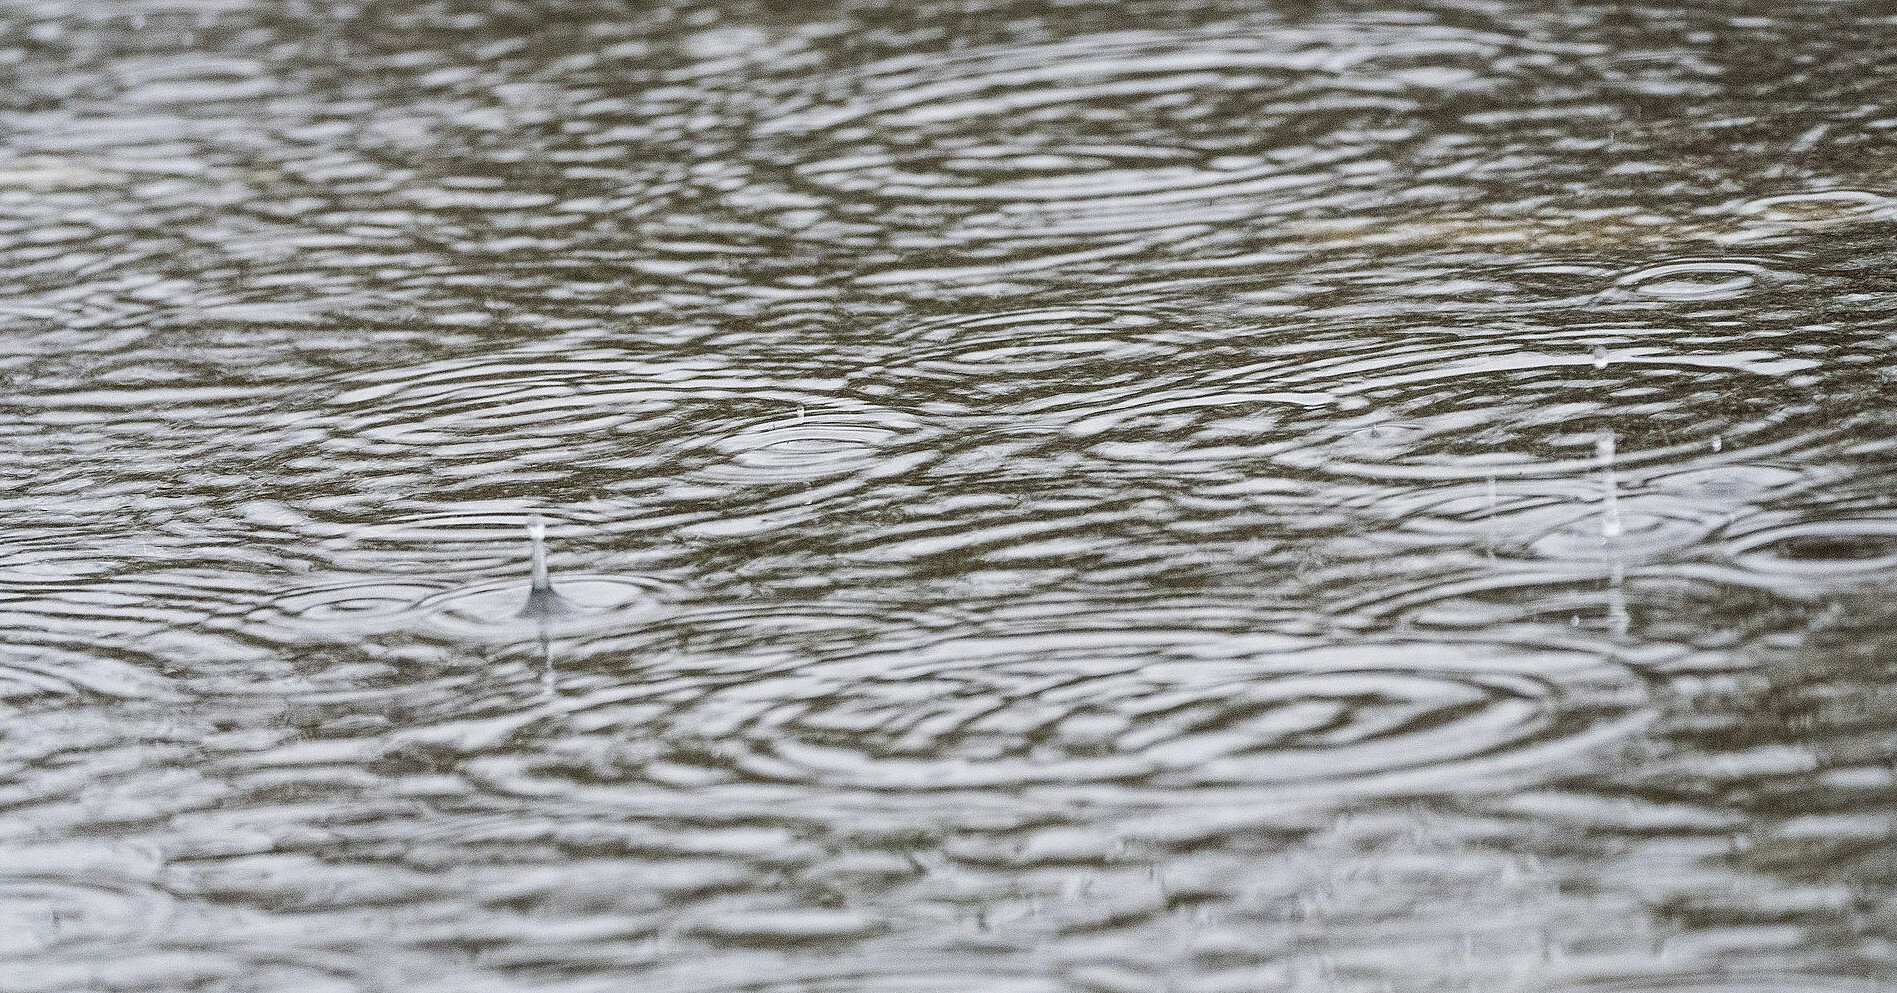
(1041,496)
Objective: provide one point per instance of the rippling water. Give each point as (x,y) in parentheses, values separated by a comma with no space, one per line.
(1046,496)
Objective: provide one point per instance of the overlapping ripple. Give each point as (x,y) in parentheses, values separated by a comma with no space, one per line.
(1117,712)
(1075,151)
(1047,496)
(1835,546)
(1442,407)
(1687,280)
(439,572)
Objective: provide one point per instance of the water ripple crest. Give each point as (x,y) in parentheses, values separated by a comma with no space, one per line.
(1169,714)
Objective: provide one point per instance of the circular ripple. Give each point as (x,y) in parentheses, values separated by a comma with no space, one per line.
(361,605)
(1166,711)
(1820,548)
(591,601)
(808,445)
(1818,208)
(1648,525)
(373,606)
(440,546)
(1054,150)
(1693,279)
(1471,409)
(1381,439)
(1730,482)
(1572,595)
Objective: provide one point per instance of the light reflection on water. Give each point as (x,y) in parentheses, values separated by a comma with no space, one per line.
(1051,496)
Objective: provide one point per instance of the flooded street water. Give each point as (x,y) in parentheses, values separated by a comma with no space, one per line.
(1046,495)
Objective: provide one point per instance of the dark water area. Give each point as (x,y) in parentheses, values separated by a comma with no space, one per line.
(1038,496)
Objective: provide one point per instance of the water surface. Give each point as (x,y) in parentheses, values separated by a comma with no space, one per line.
(1046,497)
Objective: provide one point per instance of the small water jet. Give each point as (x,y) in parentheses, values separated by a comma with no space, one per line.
(543,601)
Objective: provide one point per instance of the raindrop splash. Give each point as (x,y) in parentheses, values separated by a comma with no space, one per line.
(543,601)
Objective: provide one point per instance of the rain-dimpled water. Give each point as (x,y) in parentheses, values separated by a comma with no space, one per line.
(982,496)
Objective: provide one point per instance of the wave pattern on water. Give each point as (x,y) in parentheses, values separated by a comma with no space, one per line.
(1040,496)
(1084,150)
(1148,714)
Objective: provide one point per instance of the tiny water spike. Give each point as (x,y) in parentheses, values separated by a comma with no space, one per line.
(1600,356)
(542,600)
(1610,497)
